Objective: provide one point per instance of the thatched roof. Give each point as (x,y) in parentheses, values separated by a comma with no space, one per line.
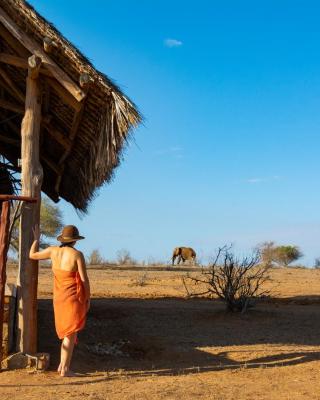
(81,139)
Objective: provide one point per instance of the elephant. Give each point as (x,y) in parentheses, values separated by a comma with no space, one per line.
(183,253)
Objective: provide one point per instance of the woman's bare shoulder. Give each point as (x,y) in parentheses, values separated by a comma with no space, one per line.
(54,248)
(77,252)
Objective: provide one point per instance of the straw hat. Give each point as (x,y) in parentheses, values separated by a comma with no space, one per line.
(69,234)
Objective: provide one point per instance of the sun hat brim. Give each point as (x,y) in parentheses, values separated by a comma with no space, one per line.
(65,239)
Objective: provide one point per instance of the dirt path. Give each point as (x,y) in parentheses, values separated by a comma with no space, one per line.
(144,344)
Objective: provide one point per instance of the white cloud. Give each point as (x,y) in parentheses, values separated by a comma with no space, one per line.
(172,43)
(259,180)
(255,180)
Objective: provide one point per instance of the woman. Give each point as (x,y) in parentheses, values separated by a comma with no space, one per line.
(71,292)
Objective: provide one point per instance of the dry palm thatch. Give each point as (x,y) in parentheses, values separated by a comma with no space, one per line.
(8,182)
(81,140)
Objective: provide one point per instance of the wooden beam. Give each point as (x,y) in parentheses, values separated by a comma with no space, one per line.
(12,86)
(7,105)
(48,44)
(64,95)
(31,179)
(34,64)
(36,49)
(15,45)
(14,61)
(85,81)
(20,62)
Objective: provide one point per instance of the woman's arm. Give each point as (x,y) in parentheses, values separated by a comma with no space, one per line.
(34,254)
(84,277)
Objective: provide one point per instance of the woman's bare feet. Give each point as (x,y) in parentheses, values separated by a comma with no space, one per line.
(67,373)
(59,368)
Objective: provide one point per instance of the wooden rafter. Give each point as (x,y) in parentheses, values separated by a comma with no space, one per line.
(8,105)
(46,119)
(11,86)
(85,84)
(20,62)
(58,136)
(37,50)
(64,95)
(15,45)
(13,142)
(51,164)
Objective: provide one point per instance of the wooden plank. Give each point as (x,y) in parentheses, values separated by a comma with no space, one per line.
(8,105)
(31,179)
(20,62)
(17,92)
(37,50)
(4,239)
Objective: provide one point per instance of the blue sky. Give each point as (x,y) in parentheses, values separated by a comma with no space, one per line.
(229,151)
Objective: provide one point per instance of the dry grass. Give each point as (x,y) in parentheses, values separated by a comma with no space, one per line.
(167,347)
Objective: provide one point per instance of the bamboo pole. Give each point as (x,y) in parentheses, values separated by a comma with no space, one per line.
(4,236)
(31,178)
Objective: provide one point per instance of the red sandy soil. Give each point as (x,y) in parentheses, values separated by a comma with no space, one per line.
(167,347)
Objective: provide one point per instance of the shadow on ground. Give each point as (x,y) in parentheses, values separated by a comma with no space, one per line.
(173,336)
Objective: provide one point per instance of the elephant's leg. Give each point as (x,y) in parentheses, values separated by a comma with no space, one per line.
(173,258)
(179,260)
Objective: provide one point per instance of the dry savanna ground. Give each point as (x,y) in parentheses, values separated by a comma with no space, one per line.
(145,340)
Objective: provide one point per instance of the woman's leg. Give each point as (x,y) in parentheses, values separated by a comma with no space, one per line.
(66,354)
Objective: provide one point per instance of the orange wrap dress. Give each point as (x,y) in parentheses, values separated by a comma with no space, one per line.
(69,302)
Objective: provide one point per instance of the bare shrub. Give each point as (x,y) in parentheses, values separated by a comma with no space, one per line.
(236,282)
(124,257)
(95,258)
(142,280)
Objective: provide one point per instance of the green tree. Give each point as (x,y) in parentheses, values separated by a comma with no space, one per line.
(285,255)
(50,224)
(281,255)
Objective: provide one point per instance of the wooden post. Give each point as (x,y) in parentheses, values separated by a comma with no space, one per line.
(4,234)
(31,179)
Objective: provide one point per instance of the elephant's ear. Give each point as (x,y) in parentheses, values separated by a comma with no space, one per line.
(179,251)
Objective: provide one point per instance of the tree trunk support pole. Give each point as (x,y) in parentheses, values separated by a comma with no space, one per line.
(31,179)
